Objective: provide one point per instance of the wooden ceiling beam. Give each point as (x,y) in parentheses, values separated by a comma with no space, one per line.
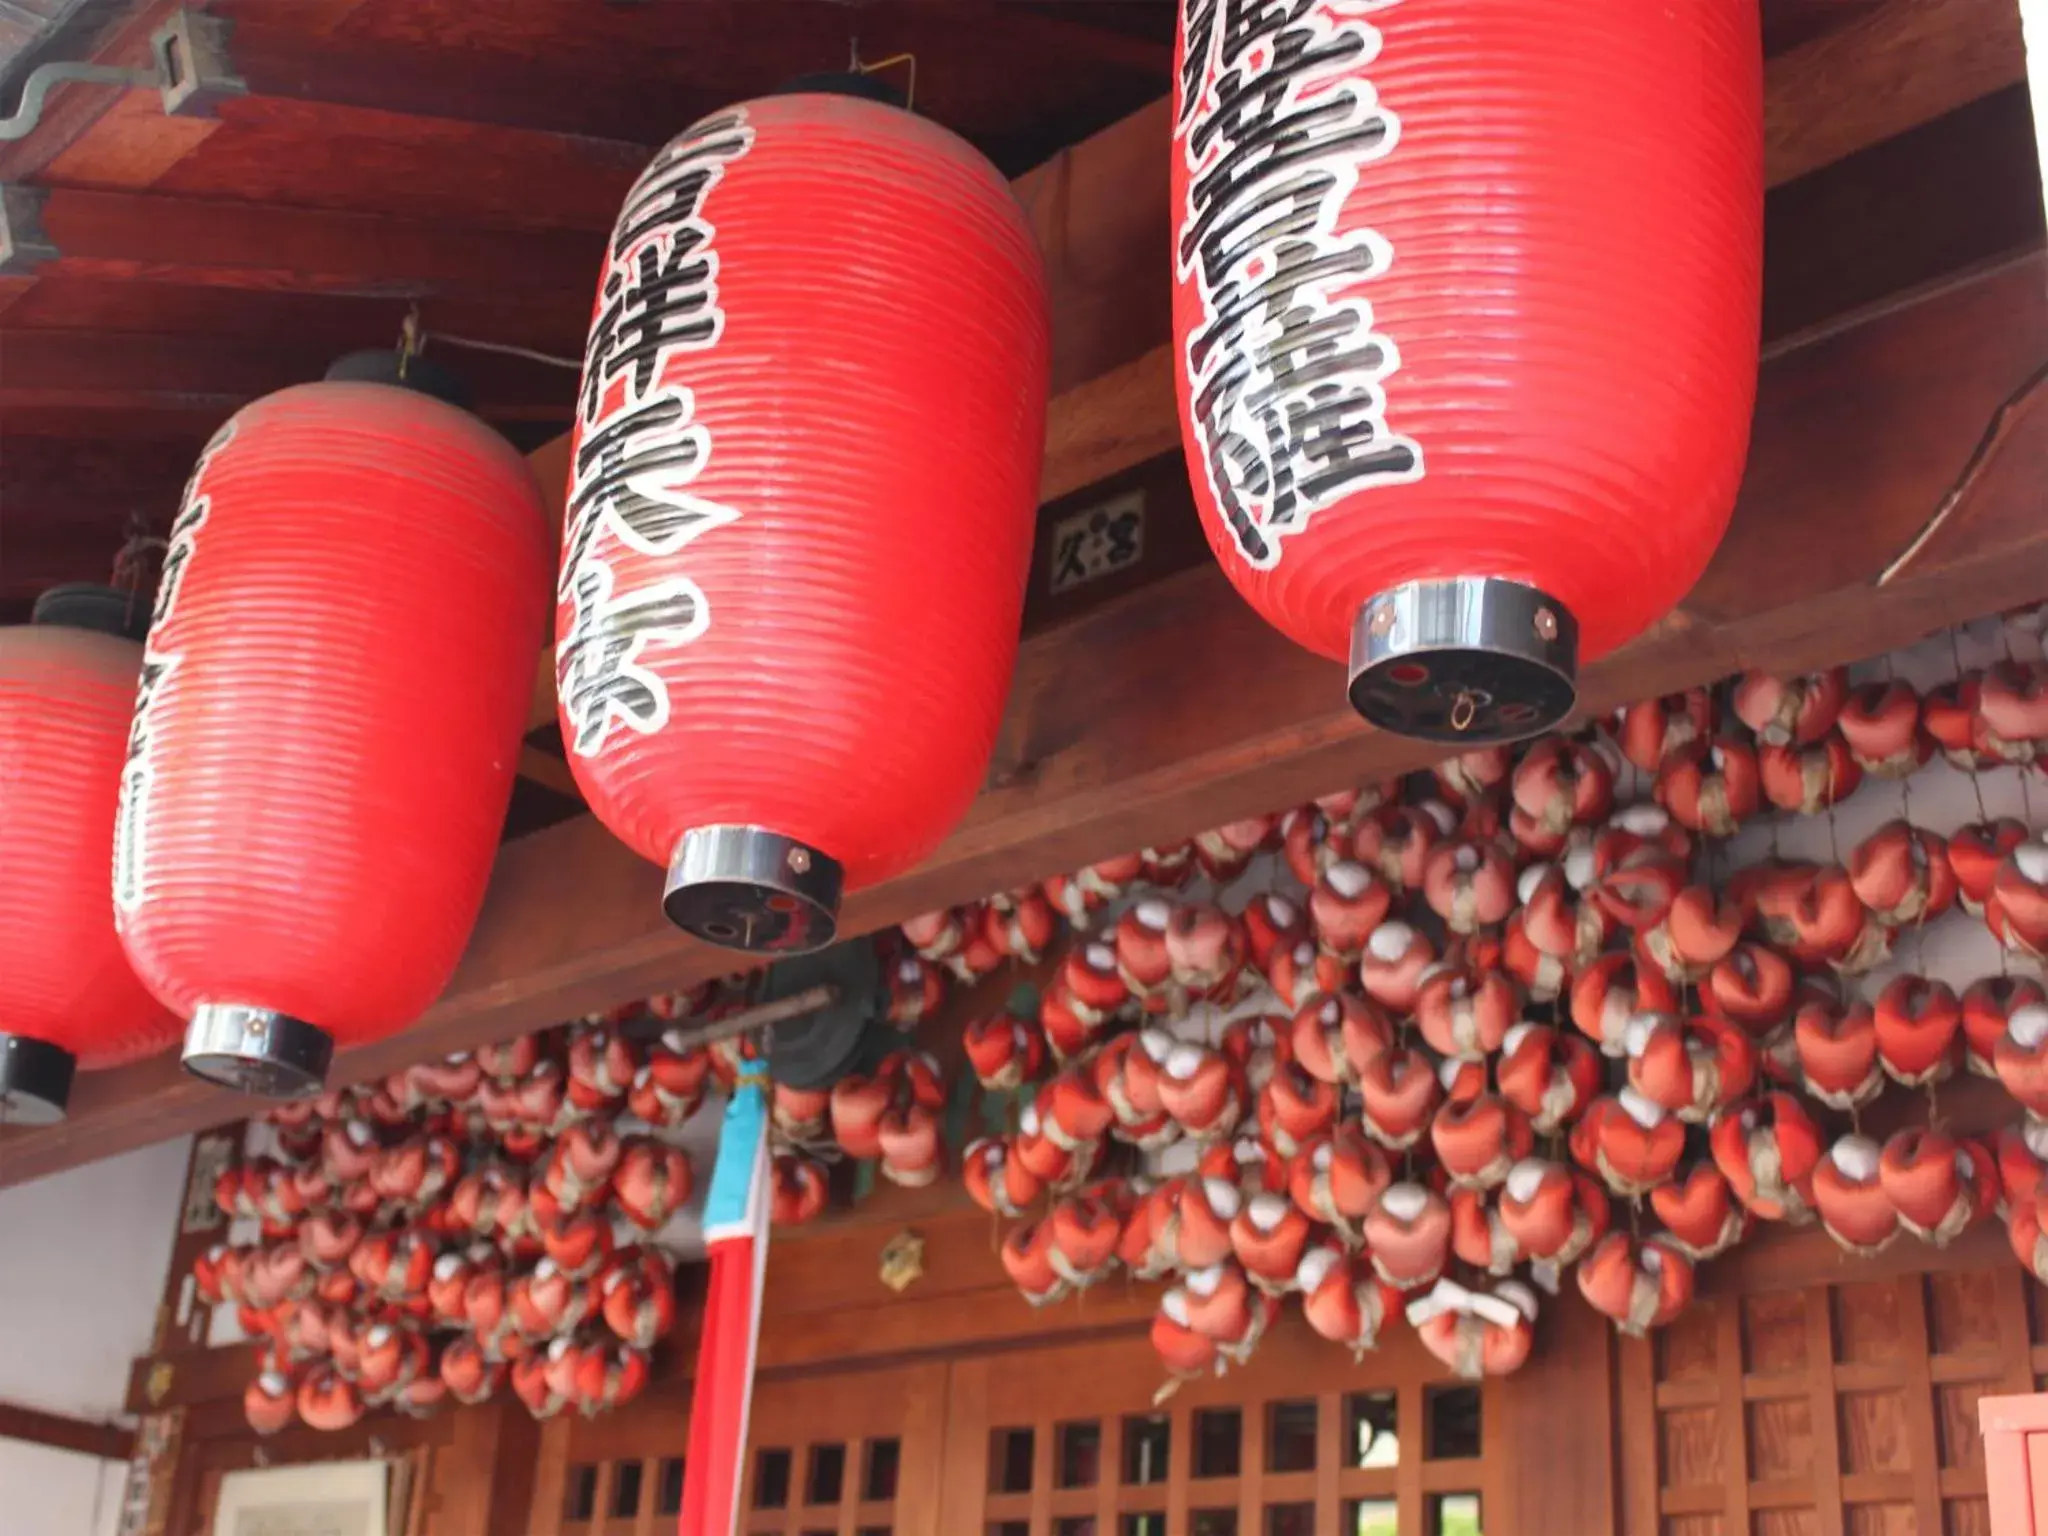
(134,236)
(1935,199)
(553,322)
(1071,36)
(1175,708)
(126,375)
(629,104)
(57,1432)
(1906,63)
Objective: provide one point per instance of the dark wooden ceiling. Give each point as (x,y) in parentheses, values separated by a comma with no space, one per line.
(464,155)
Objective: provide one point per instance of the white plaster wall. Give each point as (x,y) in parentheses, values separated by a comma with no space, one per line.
(82,1261)
(58,1493)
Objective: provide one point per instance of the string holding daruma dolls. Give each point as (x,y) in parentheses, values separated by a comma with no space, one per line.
(803,489)
(1466,308)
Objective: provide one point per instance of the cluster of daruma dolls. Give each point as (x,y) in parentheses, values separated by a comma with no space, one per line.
(467,1224)
(1489,1022)
(492,1220)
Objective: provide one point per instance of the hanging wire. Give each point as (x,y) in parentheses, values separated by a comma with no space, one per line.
(1834,841)
(1905,780)
(1955,651)
(413,337)
(132,575)
(506,349)
(908,60)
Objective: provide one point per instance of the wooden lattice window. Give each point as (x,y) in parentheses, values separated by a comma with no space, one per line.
(626,1496)
(824,1488)
(852,1454)
(1067,1442)
(1843,1410)
(619,1475)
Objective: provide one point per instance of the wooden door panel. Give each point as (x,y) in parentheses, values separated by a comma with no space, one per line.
(1069,1441)
(1838,1409)
(852,1454)
(855,1454)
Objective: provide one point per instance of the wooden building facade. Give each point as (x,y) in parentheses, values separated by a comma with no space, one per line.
(156,272)
(1804,1392)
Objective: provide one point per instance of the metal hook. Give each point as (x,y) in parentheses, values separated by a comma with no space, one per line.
(910,83)
(412,341)
(1464,712)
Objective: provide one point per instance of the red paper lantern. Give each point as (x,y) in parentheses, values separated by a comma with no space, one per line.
(338,675)
(67,996)
(800,519)
(1466,306)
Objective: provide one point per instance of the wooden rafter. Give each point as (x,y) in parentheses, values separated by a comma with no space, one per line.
(137,236)
(32,1426)
(624,104)
(1175,707)
(1906,63)
(98,370)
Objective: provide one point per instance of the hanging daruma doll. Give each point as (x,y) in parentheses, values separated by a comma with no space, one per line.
(67,996)
(801,506)
(335,685)
(1465,317)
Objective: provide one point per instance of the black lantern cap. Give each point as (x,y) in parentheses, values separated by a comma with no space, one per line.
(415,372)
(844,82)
(35,1080)
(89,605)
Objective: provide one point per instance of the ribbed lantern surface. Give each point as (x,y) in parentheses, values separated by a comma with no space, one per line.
(801,510)
(338,673)
(67,995)
(1466,310)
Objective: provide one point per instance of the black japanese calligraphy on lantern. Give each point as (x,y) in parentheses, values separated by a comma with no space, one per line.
(1286,370)
(160,657)
(640,444)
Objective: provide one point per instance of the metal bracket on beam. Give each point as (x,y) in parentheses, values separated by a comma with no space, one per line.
(189,68)
(24,245)
(193,69)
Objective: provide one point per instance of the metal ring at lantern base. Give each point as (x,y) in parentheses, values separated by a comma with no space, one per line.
(257,1050)
(35,1080)
(751,889)
(1466,660)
